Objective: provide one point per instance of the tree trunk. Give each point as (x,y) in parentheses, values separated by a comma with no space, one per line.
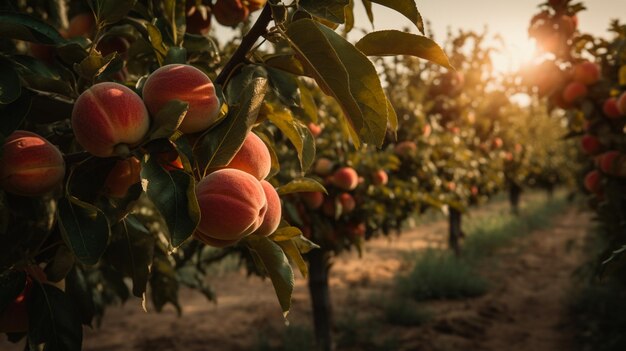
(515,192)
(455,231)
(320,298)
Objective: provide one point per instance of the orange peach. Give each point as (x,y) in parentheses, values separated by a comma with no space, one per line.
(313,199)
(82,24)
(122,176)
(185,83)
(345,178)
(380,177)
(323,166)
(230,12)
(272,217)
(315,129)
(232,205)
(587,73)
(30,165)
(497,143)
(607,161)
(356,230)
(108,119)
(253,157)
(347,203)
(574,91)
(611,108)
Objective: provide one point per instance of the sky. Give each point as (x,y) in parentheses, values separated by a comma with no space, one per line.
(509,18)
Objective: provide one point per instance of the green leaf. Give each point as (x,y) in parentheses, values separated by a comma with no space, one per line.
(93,65)
(79,290)
(53,319)
(85,229)
(284,86)
(393,117)
(344,73)
(331,10)
(308,103)
(285,233)
(294,255)
(395,42)
(61,264)
(163,283)
(276,264)
(39,76)
(131,252)
(10,85)
(28,28)
(407,8)
(368,9)
(299,135)
(303,244)
(168,119)
(349,15)
(12,283)
(287,63)
(300,185)
(173,194)
(156,40)
(220,144)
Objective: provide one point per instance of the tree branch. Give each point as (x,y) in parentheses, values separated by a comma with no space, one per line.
(258,29)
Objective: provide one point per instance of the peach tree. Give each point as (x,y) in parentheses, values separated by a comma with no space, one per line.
(139,149)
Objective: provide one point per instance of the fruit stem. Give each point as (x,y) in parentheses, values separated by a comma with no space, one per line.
(122,150)
(259,28)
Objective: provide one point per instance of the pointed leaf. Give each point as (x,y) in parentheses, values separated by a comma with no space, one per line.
(407,8)
(331,10)
(300,185)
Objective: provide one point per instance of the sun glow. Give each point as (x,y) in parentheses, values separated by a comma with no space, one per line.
(514,55)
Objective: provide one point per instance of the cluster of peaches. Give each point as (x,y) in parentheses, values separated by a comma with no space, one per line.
(598,141)
(226,12)
(111,120)
(554,27)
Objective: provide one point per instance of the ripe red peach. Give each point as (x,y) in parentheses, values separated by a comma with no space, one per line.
(567,24)
(323,166)
(574,91)
(621,104)
(315,129)
(313,199)
(427,130)
(328,207)
(405,148)
(347,202)
(592,182)
(611,108)
(356,230)
(590,144)
(345,178)
(232,205)
(497,143)
(30,165)
(607,161)
(82,24)
(587,73)
(122,176)
(185,83)
(272,217)
(380,177)
(230,12)
(253,157)
(108,118)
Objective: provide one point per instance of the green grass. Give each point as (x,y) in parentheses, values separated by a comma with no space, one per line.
(441,275)
(294,338)
(438,274)
(404,312)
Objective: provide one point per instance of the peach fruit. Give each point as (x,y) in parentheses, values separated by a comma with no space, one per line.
(607,161)
(232,205)
(347,202)
(590,144)
(230,12)
(185,83)
(30,165)
(108,118)
(574,91)
(405,148)
(271,220)
(122,176)
(253,157)
(621,104)
(380,177)
(82,24)
(315,129)
(313,199)
(611,108)
(592,181)
(323,166)
(345,178)
(587,73)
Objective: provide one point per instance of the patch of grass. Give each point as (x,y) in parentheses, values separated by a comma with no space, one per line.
(441,275)
(362,334)
(403,312)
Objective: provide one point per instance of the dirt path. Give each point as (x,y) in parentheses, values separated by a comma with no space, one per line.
(522,311)
(525,307)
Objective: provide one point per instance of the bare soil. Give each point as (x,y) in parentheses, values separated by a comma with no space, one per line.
(523,310)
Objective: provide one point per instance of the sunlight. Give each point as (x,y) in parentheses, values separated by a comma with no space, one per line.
(514,55)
